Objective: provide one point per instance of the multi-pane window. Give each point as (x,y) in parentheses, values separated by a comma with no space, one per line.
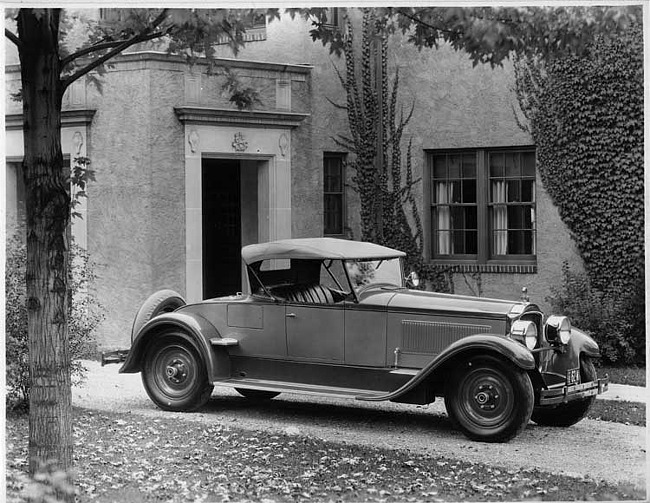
(334,17)
(483,205)
(334,193)
(456,209)
(512,203)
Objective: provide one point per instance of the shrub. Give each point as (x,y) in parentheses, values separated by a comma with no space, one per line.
(614,316)
(84,315)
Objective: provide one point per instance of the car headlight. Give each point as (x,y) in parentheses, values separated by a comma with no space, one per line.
(525,331)
(558,329)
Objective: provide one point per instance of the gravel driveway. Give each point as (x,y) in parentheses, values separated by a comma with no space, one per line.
(597,449)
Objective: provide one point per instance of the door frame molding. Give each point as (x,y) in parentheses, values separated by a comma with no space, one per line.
(271,149)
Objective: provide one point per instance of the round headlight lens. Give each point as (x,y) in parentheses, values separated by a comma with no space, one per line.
(525,331)
(558,329)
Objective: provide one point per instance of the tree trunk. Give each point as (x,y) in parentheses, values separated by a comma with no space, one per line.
(48,215)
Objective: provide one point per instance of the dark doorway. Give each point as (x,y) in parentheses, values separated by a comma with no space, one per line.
(221,206)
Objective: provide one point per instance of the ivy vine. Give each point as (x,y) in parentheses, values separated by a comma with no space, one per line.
(389,212)
(586,117)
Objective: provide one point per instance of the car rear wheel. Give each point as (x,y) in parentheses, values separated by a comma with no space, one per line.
(568,414)
(257,394)
(174,375)
(163,301)
(489,400)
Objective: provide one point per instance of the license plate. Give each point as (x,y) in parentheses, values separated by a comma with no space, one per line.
(572,376)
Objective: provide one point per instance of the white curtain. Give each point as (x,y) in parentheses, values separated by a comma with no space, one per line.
(533,226)
(499,218)
(443,197)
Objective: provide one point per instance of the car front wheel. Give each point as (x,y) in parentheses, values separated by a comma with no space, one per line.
(489,400)
(174,375)
(568,414)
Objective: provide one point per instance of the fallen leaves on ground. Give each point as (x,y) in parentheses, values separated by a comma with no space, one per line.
(129,458)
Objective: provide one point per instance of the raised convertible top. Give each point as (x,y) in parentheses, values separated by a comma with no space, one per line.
(317,249)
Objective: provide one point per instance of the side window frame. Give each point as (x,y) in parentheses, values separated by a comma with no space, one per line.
(484,255)
(331,193)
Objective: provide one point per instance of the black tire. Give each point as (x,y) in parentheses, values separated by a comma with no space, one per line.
(257,394)
(163,301)
(174,375)
(568,414)
(489,400)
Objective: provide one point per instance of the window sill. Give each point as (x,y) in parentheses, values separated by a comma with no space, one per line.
(526,267)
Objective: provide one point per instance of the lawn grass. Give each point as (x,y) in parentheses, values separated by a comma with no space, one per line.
(632,376)
(618,412)
(128,458)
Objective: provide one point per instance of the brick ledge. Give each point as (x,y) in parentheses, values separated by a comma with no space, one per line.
(491,268)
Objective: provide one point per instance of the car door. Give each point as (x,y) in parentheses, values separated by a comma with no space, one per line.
(259,326)
(315,332)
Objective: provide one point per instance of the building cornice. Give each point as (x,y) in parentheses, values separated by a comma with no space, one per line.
(230,117)
(163,57)
(69,118)
(227,62)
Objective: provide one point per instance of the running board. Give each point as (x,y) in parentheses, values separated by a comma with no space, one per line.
(300,388)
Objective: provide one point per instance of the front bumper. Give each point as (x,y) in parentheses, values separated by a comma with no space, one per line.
(564,394)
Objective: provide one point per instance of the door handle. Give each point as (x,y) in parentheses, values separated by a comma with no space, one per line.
(291,315)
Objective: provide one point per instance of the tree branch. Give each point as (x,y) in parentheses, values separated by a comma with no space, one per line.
(148,34)
(89,50)
(336,105)
(419,20)
(100,61)
(11,36)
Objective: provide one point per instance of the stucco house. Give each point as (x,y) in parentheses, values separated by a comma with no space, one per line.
(184,179)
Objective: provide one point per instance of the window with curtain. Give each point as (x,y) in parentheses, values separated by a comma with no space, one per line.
(334,194)
(512,203)
(483,205)
(455,204)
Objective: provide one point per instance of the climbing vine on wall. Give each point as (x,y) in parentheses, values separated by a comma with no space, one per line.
(383,174)
(586,117)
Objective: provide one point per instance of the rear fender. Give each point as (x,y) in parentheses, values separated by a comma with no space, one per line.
(461,350)
(194,328)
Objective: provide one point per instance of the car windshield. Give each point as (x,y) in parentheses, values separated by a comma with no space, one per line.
(369,272)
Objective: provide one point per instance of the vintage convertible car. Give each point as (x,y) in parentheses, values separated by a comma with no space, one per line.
(335,317)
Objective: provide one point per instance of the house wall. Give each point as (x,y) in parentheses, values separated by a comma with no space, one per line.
(288,41)
(135,208)
(137,214)
(457,105)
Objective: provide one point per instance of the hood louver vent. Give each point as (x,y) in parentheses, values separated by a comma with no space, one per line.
(433,337)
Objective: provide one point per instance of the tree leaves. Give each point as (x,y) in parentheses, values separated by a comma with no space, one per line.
(490,35)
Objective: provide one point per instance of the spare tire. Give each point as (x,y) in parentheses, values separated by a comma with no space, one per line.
(163,301)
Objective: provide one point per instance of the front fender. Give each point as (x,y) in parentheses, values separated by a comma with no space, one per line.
(555,364)
(195,327)
(583,343)
(480,344)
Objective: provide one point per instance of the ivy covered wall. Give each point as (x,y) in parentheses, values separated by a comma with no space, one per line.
(586,117)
